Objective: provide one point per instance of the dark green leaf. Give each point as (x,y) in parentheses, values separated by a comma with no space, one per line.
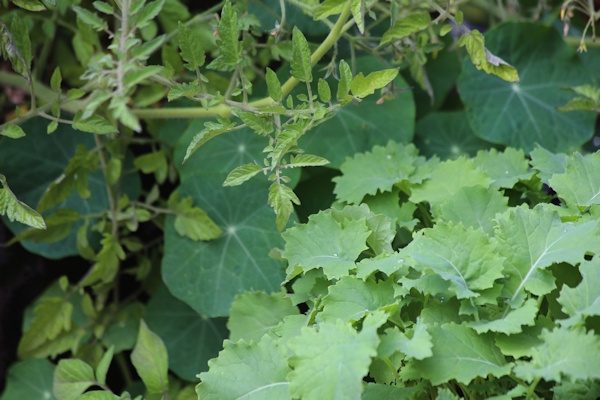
(30,379)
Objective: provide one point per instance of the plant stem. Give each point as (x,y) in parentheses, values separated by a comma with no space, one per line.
(224,110)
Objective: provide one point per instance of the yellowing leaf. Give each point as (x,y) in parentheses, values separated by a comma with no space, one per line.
(363,86)
(150,359)
(482,58)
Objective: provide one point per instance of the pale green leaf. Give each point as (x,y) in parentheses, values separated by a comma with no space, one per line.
(344,83)
(58,226)
(192,222)
(522,344)
(259,124)
(419,345)
(228,43)
(350,299)
(330,7)
(579,185)
(375,171)
(482,58)
(104,364)
(71,378)
(548,164)
(103,7)
(532,240)
(51,317)
(324,91)
(579,104)
(184,89)
(155,162)
(475,207)
(254,314)
(460,353)
(211,130)
(31,5)
(281,198)
(407,26)
(462,256)
(56,80)
(247,371)
(584,299)
(149,357)
(447,179)
(145,50)
(386,263)
(107,264)
(190,46)
(375,391)
(307,160)
(30,379)
(273,85)
(16,46)
(565,352)
(325,243)
(90,18)
(506,168)
(363,86)
(241,174)
(12,131)
(16,210)
(301,63)
(138,76)
(94,124)
(510,323)
(324,368)
(357,7)
(100,395)
(149,12)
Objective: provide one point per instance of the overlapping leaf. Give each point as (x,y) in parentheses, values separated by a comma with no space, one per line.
(31,379)
(584,300)
(505,169)
(579,185)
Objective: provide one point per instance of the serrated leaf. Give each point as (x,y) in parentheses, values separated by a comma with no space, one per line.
(548,164)
(51,318)
(17,46)
(307,160)
(94,124)
(324,243)
(375,171)
(564,352)
(301,63)
(12,131)
(241,174)
(462,256)
(281,198)
(58,226)
(211,130)
(31,5)
(482,58)
(71,378)
(357,8)
(150,359)
(584,299)
(475,207)
(351,299)
(510,323)
(579,185)
(56,80)
(260,125)
(323,366)
(273,85)
(447,179)
(155,162)
(228,43)
(107,264)
(247,370)
(344,83)
(192,222)
(16,210)
(254,314)
(579,104)
(184,89)
(90,18)
(460,353)
(363,86)
(532,240)
(328,8)
(136,77)
(29,379)
(149,12)
(145,50)
(419,345)
(407,26)
(505,168)
(190,46)
(386,263)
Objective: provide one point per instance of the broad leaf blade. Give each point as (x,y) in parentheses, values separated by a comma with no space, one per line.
(149,357)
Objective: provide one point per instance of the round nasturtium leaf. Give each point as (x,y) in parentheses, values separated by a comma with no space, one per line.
(447,135)
(523,114)
(30,379)
(208,275)
(33,162)
(178,326)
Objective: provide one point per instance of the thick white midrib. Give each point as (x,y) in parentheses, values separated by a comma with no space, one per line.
(245,396)
(533,268)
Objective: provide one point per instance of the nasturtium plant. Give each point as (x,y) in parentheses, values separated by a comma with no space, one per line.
(321,199)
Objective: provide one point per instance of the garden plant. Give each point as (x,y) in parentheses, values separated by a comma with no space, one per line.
(304,199)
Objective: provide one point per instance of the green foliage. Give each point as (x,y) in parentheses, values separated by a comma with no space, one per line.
(430,261)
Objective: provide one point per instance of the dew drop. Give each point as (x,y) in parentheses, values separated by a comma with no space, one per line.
(389,157)
(400,261)
(335,254)
(332,276)
(506,172)
(441,299)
